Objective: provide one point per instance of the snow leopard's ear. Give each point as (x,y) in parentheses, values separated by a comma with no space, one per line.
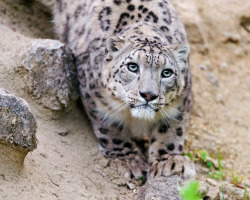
(181,53)
(113,44)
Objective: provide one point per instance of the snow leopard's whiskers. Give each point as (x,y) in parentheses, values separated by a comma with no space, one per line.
(165,117)
(107,111)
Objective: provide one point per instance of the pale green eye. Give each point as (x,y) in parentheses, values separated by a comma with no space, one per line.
(166,73)
(133,67)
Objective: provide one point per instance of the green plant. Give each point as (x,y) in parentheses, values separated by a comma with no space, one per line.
(220,165)
(143,179)
(246,194)
(219,173)
(215,171)
(191,191)
(189,155)
(204,155)
(236,179)
(202,158)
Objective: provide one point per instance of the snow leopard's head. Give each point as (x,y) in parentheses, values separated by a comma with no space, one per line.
(144,76)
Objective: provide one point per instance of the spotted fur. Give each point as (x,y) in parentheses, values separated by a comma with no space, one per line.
(125,51)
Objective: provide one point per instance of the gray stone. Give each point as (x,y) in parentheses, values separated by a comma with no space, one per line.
(212,78)
(160,189)
(214,194)
(52,73)
(130,185)
(233,192)
(17,124)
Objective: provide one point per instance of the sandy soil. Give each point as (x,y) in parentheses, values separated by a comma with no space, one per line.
(67,164)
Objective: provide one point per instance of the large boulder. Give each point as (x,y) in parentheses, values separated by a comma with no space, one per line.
(44,68)
(18,125)
(51,73)
(159,189)
(17,131)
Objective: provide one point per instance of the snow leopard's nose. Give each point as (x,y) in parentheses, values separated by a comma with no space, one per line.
(148,96)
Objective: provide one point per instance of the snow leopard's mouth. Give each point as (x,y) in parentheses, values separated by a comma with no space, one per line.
(143,106)
(143,111)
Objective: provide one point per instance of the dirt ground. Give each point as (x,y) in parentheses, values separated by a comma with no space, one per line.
(67,164)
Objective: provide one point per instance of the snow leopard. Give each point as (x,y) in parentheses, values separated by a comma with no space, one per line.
(132,60)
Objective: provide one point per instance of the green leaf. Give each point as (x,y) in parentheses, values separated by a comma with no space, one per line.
(220,165)
(143,179)
(204,155)
(189,155)
(219,174)
(191,191)
(209,165)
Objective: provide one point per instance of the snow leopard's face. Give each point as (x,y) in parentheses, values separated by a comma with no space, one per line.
(145,77)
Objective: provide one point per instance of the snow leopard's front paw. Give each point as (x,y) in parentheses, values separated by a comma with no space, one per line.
(129,167)
(172,165)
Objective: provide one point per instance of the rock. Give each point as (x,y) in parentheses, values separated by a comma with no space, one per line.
(160,189)
(41,67)
(231,37)
(130,185)
(17,131)
(212,78)
(52,73)
(233,192)
(213,194)
(203,188)
(201,169)
(212,181)
(18,125)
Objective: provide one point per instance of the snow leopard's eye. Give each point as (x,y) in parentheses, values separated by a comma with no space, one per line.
(166,73)
(133,67)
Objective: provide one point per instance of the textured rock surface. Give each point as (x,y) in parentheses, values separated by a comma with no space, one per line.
(52,73)
(17,124)
(160,189)
(168,189)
